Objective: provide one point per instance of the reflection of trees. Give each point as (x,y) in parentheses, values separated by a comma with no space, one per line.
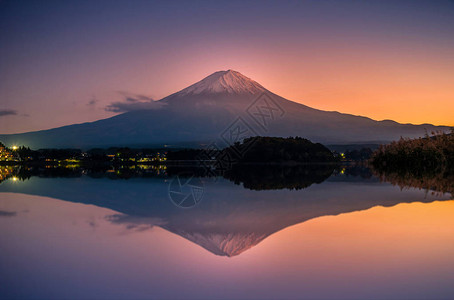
(251,176)
(6,172)
(271,177)
(356,170)
(122,172)
(98,171)
(255,177)
(442,182)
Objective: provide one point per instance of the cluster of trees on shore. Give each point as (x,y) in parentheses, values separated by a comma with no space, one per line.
(250,150)
(428,154)
(277,150)
(112,154)
(263,150)
(434,154)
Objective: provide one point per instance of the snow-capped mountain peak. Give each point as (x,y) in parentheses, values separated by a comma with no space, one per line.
(229,81)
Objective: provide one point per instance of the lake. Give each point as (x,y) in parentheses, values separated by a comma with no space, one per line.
(307,233)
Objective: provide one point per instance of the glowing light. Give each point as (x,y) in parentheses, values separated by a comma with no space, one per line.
(15,178)
(15,147)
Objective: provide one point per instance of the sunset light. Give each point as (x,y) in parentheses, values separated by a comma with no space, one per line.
(227,149)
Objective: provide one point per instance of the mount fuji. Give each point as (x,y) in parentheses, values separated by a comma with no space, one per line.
(209,111)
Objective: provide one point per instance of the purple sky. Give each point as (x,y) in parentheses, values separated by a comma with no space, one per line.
(64,62)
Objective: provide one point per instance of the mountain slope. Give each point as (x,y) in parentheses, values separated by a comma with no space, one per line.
(202,112)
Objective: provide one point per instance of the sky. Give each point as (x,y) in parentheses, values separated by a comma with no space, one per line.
(66,62)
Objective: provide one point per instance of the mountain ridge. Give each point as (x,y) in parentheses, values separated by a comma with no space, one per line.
(200,113)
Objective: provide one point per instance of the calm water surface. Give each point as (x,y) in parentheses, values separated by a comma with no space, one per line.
(346,237)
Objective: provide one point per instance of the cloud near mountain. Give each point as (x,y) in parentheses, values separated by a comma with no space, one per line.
(7,112)
(12,112)
(132,103)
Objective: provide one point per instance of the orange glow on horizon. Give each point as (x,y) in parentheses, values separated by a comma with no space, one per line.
(374,82)
(380,83)
(421,227)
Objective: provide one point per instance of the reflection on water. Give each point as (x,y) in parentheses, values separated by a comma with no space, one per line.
(342,227)
(274,177)
(435,182)
(7,172)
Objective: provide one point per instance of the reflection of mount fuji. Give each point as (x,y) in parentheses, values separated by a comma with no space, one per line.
(230,219)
